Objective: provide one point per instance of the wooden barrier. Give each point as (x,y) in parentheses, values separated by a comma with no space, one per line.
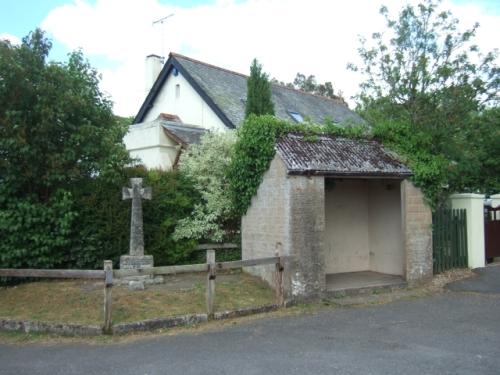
(52,274)
(108,275)
(215,246)
(108,285)
(167,270)
(210,292)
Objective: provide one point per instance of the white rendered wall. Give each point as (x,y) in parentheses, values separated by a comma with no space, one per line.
(474,206)
(363,227)
(386,240)
(148,143)
(346,226)
(189,105)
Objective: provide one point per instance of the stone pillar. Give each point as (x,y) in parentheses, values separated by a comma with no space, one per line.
(304,276)
(417,233)
(474,206)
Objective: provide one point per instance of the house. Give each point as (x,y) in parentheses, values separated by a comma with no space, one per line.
(207,97)
(346,213)
(158,143)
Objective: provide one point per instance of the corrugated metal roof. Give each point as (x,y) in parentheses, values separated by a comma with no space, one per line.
(336,156)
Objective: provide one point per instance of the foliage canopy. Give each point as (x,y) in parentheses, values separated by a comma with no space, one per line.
(56,131)
(206,165)
(431,96)
(258,92)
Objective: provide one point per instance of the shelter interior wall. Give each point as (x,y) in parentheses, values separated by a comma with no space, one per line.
(363,226)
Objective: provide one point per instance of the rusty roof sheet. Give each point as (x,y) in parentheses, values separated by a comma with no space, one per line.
(336,156)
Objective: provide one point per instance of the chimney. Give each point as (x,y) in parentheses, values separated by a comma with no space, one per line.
(154,64)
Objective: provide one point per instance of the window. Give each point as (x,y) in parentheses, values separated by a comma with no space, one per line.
(297,117)
(177,91)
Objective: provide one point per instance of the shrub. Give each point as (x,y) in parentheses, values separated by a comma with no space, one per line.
(213,217)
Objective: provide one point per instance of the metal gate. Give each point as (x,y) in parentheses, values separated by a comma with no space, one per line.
(492,232)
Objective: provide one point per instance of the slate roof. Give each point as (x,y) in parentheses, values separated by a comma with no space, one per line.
(339,157)
(186,134)
(225,92)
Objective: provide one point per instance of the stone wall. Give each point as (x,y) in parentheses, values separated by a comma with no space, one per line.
(287,215)
(264,228)
(305,275)
(363,226)
(417,233)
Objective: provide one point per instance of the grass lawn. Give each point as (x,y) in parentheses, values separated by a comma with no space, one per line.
(79,301)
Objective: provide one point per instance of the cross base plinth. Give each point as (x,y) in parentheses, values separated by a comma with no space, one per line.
(135,262)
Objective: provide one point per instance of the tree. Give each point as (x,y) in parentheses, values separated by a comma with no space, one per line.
(426,81)
(422,61)
(56,130)
(213,218)
(258,92)
(309,84)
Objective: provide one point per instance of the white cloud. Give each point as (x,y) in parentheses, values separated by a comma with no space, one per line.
(287,36)
(11,38)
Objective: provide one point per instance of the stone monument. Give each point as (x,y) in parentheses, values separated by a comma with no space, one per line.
(136,258)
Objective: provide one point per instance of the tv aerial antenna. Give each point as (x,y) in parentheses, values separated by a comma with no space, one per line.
(160,22)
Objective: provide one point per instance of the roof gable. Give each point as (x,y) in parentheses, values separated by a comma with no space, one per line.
(340,157)
(225,93)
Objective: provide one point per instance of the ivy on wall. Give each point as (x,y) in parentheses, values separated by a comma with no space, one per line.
(255,150)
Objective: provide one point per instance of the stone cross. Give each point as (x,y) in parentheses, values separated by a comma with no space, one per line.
(136,193)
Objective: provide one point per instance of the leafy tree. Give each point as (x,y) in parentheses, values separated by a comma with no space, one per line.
(56,130)
(422,61)
(258,92)
(426,83)
(309,84)
(213,218)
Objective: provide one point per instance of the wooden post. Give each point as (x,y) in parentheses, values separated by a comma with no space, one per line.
(108,285)
(279,281)
(210,293)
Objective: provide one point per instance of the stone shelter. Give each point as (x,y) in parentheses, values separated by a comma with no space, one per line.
(345,211)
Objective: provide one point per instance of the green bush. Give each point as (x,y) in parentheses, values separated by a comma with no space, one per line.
(103,226)
(34,234)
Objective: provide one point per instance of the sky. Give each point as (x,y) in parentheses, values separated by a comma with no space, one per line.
(318,37)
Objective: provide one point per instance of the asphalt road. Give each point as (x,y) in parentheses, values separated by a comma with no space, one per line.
(452,333)
(486,281)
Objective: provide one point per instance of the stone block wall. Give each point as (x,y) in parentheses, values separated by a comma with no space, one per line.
(305,276)
(417,233)
(264,228)
(287,215)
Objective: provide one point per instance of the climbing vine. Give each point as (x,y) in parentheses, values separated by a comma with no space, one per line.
(255,150)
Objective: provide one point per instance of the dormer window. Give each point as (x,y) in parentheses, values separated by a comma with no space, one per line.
(297,117)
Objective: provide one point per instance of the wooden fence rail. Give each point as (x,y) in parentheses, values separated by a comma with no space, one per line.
(108,275)
(52,274)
